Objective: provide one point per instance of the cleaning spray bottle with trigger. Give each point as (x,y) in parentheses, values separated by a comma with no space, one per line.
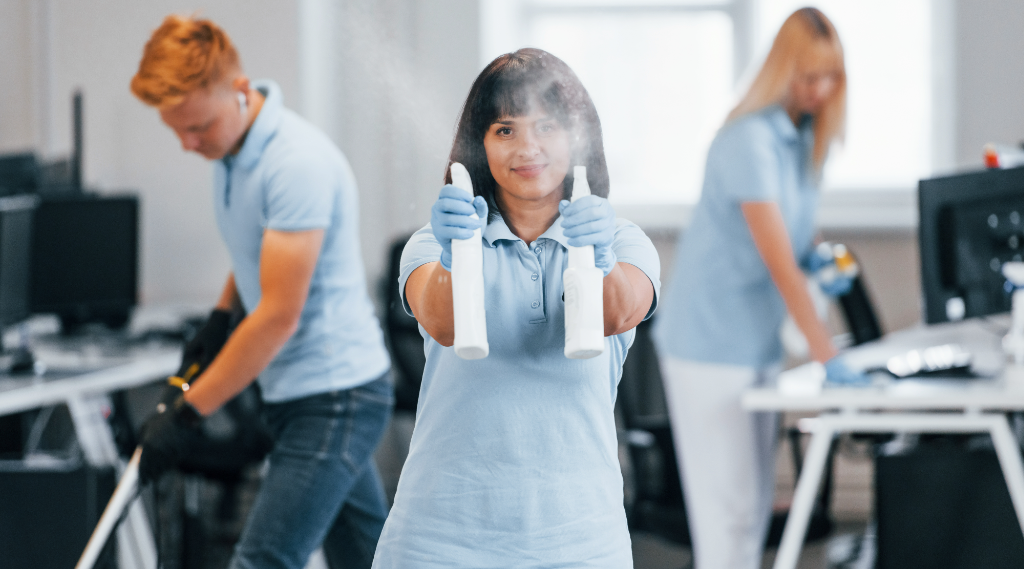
(468,284)
(584,291)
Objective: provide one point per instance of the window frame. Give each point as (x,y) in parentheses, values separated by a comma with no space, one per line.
(849,209)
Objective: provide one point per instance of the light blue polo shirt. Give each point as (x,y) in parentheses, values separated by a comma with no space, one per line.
(722,305)
(288,176)
(514,459)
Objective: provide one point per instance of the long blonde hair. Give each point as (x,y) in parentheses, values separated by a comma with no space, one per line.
(798,34)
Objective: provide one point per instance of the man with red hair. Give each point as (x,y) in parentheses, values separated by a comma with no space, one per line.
(286,205)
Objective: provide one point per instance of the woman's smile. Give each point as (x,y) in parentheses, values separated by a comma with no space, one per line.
(530,170)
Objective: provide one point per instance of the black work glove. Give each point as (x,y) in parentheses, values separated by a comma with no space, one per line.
(166,438)
(206,344)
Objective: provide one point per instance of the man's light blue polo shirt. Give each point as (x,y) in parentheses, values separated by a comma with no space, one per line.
(722,305)
(514,460)
(288,176)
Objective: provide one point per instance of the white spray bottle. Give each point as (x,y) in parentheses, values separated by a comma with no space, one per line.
(1013,342)
(584,291)
(468,284)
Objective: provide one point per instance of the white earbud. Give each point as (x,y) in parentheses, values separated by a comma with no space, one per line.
(243,104)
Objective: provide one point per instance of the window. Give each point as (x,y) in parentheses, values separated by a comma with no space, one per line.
(664,74)
(889,104)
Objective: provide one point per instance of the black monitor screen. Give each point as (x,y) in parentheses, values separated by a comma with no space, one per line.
(970,225)
(85,257)
(15,247)
(19,173)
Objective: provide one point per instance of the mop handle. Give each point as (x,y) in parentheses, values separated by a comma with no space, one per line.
(121,499)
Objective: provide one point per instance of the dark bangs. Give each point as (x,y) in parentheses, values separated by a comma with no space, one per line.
(515,92)
(510,86)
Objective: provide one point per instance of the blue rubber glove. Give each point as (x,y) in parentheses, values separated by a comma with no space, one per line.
(837,373)
(813,262)
(590,220)
(450,219)
(839,286)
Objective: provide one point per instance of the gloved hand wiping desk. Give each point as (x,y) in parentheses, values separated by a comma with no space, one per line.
(962,351)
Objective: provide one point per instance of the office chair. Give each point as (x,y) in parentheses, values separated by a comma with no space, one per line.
(859,311)
(656,503)
(402,335)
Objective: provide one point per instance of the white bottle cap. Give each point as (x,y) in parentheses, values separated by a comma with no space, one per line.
(580,186)
(460,177)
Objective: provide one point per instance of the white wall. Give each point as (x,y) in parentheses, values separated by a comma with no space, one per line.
(402,73)
(990,76)
(16,124)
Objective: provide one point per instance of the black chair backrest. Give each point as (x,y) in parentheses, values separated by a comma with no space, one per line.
(658,504)
(640,391)
(402,334)
(860,314)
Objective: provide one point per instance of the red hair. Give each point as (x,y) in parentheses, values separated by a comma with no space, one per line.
(182,55)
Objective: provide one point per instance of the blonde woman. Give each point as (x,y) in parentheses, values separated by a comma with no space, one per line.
(736,274)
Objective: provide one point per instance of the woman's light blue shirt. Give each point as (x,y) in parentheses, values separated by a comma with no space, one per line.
(288,176)
(514,459)
(721,305)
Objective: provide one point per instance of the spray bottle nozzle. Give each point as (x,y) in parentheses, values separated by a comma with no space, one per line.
(580,186)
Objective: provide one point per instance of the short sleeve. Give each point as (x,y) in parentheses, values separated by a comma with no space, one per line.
(421,249)
(631,245)
(301,196)
(743,162)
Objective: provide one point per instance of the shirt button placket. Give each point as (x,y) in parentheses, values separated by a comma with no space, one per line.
(535,277)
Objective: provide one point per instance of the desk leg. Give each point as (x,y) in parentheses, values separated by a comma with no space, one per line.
(806,491)
(1010,459)
(136,544)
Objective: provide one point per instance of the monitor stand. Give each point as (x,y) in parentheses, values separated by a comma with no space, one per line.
(20,359)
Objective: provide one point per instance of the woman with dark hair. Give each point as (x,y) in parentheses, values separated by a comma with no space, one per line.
(513,461)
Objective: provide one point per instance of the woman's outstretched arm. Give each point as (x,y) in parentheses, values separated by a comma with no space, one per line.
(429,293)
(628,294)
(772,241)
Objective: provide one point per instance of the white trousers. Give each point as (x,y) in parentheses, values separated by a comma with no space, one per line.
(726,459)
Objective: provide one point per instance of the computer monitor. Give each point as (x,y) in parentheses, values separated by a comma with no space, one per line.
(16,216)
(23,173)
(970,224)
(19,174)
(85,259)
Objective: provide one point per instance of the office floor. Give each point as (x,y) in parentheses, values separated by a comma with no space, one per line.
(651,552)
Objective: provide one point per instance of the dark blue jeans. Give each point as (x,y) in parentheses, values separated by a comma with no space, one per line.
(322,486)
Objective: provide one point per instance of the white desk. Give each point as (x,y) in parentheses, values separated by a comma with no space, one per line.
(933,406)
(80,373)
